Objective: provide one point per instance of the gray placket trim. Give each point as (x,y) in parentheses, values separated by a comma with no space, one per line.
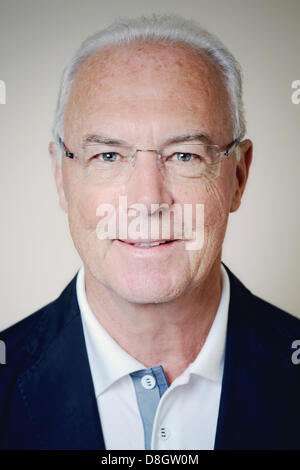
(148,398)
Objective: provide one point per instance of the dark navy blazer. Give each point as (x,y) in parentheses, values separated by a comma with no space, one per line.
(47,399)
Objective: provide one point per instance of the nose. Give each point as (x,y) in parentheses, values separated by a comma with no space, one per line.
(147,185)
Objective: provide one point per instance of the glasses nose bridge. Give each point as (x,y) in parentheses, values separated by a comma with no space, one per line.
(158,155)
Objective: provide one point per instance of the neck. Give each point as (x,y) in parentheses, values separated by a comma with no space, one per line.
(170,334)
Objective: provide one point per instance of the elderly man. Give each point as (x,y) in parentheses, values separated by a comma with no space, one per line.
(154,344)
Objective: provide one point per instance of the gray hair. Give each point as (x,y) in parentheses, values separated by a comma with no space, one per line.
(171,28)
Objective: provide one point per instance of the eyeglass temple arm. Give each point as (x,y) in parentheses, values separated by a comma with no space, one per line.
(230,149)
(65,150)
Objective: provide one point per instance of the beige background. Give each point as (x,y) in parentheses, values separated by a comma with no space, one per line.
(37,37)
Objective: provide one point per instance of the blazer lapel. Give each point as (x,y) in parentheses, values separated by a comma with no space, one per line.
(250,414)
(57,387)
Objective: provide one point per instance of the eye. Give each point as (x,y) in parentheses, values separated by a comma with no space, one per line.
(184,157)
(107,156)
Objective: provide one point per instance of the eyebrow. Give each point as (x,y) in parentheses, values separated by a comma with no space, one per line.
(188,137)
(108,140)
(102,139)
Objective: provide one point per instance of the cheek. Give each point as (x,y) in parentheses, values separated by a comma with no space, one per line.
(217,201)
(215,196)
(85,202)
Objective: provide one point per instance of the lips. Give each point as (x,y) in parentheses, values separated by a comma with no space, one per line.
(147,243)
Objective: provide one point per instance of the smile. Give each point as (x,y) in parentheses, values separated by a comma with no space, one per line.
(148,244)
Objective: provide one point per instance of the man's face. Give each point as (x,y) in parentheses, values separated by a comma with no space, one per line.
(144,94)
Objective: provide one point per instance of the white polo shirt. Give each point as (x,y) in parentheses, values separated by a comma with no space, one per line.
(186,414)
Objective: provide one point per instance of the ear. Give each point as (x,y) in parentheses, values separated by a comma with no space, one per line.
(57,171)
(241,173)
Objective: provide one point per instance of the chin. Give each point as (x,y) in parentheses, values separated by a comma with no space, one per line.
(149,291)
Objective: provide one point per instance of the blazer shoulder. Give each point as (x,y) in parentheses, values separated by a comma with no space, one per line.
(265,322)
(276,314)
(37,329)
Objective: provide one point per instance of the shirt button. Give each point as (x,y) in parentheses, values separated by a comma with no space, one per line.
(164,433)
(148,382)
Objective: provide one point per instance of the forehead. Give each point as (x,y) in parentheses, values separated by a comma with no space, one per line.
(146,81)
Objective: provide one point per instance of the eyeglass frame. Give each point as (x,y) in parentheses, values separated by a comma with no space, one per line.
(223,154)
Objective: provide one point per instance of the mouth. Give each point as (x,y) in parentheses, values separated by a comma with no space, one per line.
(148,244)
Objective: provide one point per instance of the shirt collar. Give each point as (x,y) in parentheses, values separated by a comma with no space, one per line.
(109,362)
(210,361)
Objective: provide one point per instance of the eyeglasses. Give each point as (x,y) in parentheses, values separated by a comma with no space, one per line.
(185,161)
